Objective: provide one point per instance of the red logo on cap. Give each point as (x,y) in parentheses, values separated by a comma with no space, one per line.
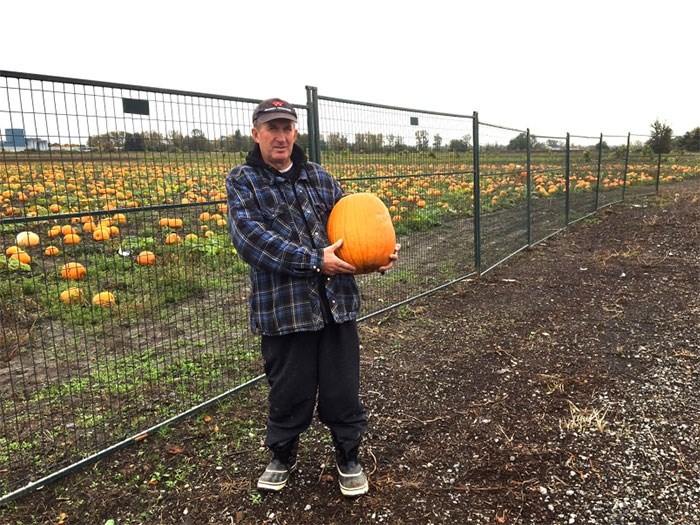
(277,103)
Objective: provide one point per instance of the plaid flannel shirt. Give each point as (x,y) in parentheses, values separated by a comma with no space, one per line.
(279,228)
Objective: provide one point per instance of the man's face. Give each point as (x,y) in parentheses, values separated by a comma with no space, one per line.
(276,139)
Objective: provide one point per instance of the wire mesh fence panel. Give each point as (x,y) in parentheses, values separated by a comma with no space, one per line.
(642,171)
(503,193)
(548,187)
(585,176)
(123,299)
(419,164)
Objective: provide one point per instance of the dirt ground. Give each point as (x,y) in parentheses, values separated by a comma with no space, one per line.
(560,388)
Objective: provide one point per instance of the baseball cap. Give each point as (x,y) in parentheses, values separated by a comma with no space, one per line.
(273,108)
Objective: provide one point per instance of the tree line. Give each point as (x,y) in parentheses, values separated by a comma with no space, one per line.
(661,140)
(196,140)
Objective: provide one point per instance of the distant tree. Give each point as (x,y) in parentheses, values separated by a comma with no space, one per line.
(368,142)
(134,142)
(154,141)
(602,145)
(337,142)
(395,142)
(554,144)
(437,141)
(110,141)
(690,141)
(620,152)
(197,141)
(176,141)
(661,138)
(520,142)
(422,140)
(460,145)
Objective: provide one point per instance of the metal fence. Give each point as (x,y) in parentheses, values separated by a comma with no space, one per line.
(123,302)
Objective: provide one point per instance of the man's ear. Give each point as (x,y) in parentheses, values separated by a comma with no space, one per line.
(256,135)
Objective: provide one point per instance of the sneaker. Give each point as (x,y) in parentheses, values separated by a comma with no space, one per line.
(352,479)
(276,475)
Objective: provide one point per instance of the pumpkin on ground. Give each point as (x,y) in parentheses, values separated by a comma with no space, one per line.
(25,239)
(51,251)
(67,229)
(173,238)
(102,233)
(22,257)
(71,238)
(104,299)
(363,222)
(146,258)
(72,295)
(73,271)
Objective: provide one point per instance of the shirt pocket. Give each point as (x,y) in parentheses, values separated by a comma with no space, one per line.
(279,220)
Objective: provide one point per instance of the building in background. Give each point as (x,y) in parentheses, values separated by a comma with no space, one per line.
(15,140)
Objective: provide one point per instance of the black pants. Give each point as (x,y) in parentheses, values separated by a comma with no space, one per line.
(302,365)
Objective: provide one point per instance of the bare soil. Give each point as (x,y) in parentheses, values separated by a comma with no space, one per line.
(560,388)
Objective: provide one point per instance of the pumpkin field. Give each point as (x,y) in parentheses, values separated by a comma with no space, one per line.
(108,233)
(124,301)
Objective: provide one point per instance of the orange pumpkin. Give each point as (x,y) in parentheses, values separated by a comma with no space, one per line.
(22,257)
(102,233)
(363,222)
(104,299)
(73,271)
(173,238)
(71,238)
(51,251)
(67,229)
(146,258)
(72,295)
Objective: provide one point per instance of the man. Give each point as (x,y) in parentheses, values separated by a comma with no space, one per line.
(304,300)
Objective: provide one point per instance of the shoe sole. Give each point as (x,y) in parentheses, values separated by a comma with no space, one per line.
(351,493)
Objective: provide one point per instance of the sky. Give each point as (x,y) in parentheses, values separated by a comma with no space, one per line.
(554,67)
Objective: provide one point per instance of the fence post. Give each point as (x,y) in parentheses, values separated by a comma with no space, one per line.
(658,172)
(597,183)
(567,175)
(529,190)
(477,196)
(627,161)
(313,123)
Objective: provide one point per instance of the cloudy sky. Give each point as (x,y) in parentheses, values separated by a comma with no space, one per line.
(586,68)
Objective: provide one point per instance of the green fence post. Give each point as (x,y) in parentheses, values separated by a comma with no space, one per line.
(627,162)
(567,176)
(477,196)
(529,190)
(312,123)
(597,183)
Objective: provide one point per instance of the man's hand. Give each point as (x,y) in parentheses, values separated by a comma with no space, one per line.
(332,264)
(392,259)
